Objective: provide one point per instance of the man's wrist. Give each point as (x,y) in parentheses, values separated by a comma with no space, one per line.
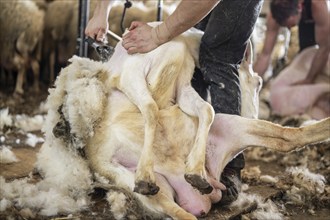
(160,34)
(103,7)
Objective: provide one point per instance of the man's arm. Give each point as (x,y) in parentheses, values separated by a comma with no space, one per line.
(320,11)
(264,58)
(97,26)
(142,38)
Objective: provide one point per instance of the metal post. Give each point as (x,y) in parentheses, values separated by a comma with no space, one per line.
(83,19)
(160,11)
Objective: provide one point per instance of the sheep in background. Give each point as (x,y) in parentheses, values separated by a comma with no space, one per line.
(145,11)
(42,4)
(139,11)
(60,35)
(21,25)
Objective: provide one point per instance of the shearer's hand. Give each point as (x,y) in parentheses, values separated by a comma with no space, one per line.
(97,28)
(140,38)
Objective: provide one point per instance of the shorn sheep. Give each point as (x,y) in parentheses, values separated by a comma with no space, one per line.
(21,25)
(287,99)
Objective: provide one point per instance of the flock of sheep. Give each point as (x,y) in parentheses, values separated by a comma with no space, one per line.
(41,35)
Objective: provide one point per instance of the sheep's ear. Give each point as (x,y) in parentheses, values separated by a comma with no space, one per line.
(249,53)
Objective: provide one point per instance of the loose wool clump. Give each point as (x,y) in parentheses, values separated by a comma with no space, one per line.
(43,198)
(306,185)
(265,210)
(118,204)
(268,179)
(33,140)
(312,182)
(7,156)
(5,118)
(27,123)
(24,122)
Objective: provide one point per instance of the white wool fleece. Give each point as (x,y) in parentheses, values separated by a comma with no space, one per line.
(7,156)
(42,196)
(63,168)
(312,182)
(81,89)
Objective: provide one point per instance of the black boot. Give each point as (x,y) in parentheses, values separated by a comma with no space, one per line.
(231,178)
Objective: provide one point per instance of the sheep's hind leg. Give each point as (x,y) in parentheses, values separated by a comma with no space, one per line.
(191,103)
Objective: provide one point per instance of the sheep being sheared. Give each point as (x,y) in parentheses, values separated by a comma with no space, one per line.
(89,116)
(21,25)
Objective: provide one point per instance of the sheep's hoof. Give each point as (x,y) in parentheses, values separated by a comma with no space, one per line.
(199,183)
(146,188)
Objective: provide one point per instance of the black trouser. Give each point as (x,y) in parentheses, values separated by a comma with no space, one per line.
(227,30)
(306,35)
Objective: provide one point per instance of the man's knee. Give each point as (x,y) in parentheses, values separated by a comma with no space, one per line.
(225,98)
